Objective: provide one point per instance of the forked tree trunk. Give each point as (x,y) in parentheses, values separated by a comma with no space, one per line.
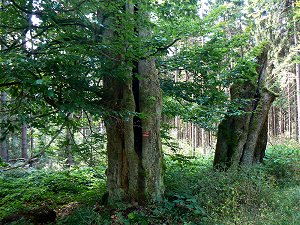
(256,142)
(133,144)
(242,139)
(135,159)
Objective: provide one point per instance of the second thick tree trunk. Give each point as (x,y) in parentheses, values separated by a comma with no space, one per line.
(242,139)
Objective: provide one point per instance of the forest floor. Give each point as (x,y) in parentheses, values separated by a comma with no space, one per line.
(195,194)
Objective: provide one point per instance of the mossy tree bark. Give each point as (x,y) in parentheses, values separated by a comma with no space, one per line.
(151,106)
(242,139)
(135,160)
(133,144)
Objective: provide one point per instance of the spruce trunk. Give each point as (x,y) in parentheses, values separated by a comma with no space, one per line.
(3,136)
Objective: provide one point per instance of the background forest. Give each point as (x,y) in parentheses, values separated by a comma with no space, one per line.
(149,112)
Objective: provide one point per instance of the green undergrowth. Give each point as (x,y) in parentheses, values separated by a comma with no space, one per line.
(265,194)
(25,191)
(195,193)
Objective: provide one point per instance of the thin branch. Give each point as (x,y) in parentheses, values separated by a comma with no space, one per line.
(161,49)
(89,121)
(168,46)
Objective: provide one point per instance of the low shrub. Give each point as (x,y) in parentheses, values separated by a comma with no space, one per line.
(283,163)
(247,196)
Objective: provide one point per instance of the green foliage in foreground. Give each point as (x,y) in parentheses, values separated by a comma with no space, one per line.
(249,196)
(195,193)
(24,191)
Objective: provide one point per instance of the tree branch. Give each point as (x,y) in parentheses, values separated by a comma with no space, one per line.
(168,46)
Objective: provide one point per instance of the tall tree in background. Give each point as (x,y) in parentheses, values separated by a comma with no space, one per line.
(297,72)
(3,131)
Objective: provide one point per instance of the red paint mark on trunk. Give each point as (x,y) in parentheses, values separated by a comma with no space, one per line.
(146,133)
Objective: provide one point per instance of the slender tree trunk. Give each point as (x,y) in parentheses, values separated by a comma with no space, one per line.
(296,111)
(297,75)
(276,117)
(4,141)
(202,139)
(197,136)
(69,141)
(31,139)
(289,124)
(272,122)
(280,125)
(298,100)
(24,142)
(275,121)
(24,147)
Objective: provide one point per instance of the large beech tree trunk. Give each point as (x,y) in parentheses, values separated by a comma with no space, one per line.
(135,159)
(150,106)
(133,144)
(242,139)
